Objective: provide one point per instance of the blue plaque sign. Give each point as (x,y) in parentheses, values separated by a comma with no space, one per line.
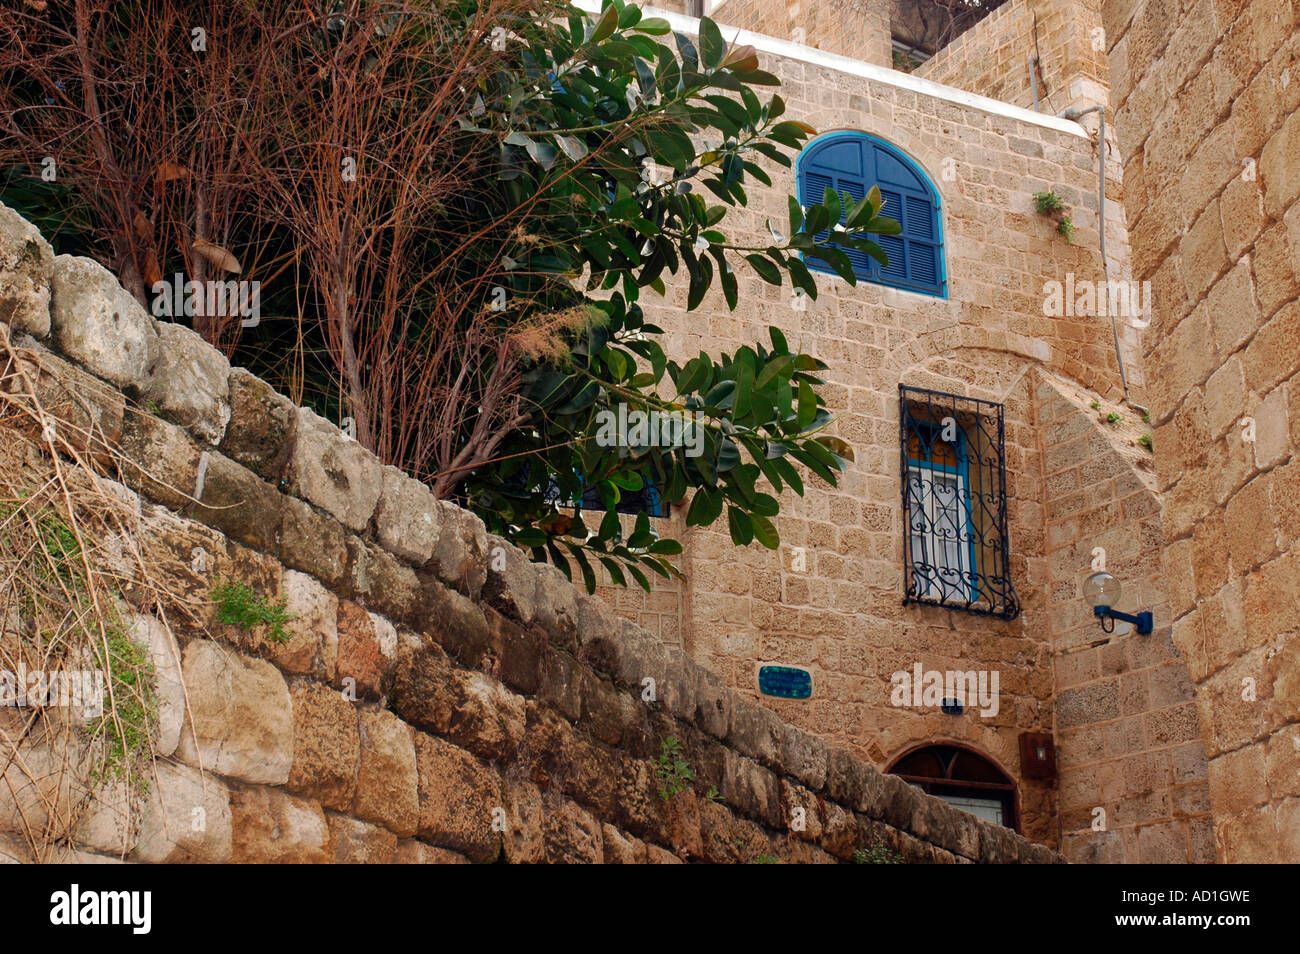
(785,682)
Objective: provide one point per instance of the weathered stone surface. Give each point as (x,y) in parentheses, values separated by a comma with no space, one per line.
(150,633)
(511,583)
(367,648)
(333,472)
(189,382)
(82,410)
(406,517)
(354,842)
(752,789)
(523,841)
(109,820)
(161,461)
(412,852)
(384,584)
(326,746)
(313,645)
(804,756)
(621,849)
(259,434)
(387,790)
(573,836)
(458,624)
(270,827)
(97,323)
(26,271)
(468,708)
(556,606)
(461,556)
(458,799)
(238,502)
(313,543)
(755,731)
(186,818)
(241,719)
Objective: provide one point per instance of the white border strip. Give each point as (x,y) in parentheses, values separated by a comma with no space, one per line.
(869,71)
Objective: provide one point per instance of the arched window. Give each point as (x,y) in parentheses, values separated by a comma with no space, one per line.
(963,779)
(853,162)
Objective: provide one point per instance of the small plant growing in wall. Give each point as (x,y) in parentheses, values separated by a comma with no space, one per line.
(238,605)
(1050,205)
(1145,441)
(673,771)
(1112,419)
(1095,405)
(877,854)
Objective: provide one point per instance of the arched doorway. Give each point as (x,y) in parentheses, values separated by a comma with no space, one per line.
(963,778)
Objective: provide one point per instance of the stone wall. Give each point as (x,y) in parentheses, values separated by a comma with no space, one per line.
(856,28)
(1207,94)
(1131,760)
(992,57)
(439,697)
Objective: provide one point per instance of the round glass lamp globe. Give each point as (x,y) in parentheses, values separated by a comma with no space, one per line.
(1102,589)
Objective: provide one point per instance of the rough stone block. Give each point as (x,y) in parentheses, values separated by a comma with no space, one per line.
(96,323)
(186,818)
(355,842)
(406,517)
(326,746)
(239,503)
(169,690)
(334,472)
(241,717)
(313,543)
(460,557)
(270,827)
(26,272)
(259,434)
(189,381)
(367,649)
(387,790)
(458,797)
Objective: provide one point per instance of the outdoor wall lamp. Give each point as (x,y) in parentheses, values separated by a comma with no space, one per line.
(1103,591)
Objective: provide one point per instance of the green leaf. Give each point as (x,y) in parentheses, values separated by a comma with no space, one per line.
(740,525)
(807,404)
(705,507)
(778,340)
(778,365)
(530,537)
(606,24)
(574,148)
(712,46)
(655,26)
(764,532)
(765,268)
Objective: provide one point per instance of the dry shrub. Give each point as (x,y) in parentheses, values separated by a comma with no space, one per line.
(68,556)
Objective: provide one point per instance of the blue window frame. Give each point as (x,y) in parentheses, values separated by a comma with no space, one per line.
(940,518)
(853,162)
(956,550)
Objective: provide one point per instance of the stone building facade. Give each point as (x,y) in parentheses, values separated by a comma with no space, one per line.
(1207,95)
(1130,782)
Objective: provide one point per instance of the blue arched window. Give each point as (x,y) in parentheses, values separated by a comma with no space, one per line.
(853,162)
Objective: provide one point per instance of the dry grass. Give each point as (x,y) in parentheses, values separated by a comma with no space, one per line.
(68,553)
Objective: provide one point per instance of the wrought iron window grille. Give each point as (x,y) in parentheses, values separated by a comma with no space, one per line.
(956,550)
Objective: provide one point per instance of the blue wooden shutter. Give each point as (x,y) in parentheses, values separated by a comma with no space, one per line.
(853,162)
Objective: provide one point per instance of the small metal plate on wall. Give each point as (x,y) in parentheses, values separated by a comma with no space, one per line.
(785,682)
